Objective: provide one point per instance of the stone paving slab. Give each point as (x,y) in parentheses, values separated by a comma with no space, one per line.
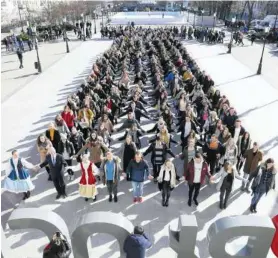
(14,79)
(150,213)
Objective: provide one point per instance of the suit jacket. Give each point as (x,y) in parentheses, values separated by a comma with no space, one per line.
(58,169)
(56,138)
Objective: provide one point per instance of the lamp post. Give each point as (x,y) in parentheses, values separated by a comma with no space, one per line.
(187,14)
(202,17)
(20,7)
(194,18)
(266,30)
(84,32)
(102,10)
(214,19)
(231,41)
(95,22)
(39,67)
(66,36)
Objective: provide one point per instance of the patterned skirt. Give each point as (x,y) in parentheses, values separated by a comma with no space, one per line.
(18,185)
(88,191)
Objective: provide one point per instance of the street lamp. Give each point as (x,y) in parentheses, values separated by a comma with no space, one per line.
(38,58)
(20,7)
(95,21)
(194,18)
(266,30)
(66,36)
(187,14)
(84,32)
(202,11)
(214,19)
(231,41)
(102,10)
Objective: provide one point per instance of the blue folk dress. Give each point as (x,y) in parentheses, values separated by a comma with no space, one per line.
(18,178)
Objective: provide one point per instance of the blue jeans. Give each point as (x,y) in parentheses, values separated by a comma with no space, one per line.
(137,189)
(256,197)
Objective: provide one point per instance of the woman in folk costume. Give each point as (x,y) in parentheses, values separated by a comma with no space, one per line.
(167,181)
(17,176)
(87,184)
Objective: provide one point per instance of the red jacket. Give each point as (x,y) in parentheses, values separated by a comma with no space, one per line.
(91,177)
(189,174)
(69,118)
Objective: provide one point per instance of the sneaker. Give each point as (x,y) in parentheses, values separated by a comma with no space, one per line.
(247,190)
(181,178)
(140,199)
(134,199)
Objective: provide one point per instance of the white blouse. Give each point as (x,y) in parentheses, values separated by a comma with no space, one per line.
(15,161)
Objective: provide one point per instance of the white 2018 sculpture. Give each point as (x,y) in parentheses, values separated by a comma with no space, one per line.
(183,240)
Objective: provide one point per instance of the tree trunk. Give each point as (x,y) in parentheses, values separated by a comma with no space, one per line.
(243,10)
(250,12)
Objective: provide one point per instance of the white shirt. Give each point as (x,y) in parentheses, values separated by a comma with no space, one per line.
(197,172)
(187,128)
(15,161)
(167,174)
(237,132)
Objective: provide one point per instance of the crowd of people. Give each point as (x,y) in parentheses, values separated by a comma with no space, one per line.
(148,73)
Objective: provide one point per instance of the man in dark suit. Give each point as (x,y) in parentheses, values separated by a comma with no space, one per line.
(57,165)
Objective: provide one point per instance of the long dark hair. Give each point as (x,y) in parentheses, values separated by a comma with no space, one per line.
(39,140)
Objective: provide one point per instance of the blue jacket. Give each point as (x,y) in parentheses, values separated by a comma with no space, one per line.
(135,246)
(137,171)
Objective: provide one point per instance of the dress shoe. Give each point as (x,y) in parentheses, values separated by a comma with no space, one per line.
(196,202)
(115,198)
(163,202)
(110,198)
(58,196)
(189,203)
(49,178)
(221,205)
(86,199)
(167,203)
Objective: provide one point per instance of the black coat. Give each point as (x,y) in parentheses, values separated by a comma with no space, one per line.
(69,147)
(151,149)
(182,126)
(58,169)
(232,131)
(77,141)
(56,138)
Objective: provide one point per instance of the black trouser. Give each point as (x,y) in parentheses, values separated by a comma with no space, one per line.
(156,169)
(194,187)
(59,184)
(112,187)
(166,190)
(212,163)
(239,163)
(225,191)
(21,62)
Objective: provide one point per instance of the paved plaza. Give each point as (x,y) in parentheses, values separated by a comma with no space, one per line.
(31,102)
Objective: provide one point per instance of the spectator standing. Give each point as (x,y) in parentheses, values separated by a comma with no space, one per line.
(136,244)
